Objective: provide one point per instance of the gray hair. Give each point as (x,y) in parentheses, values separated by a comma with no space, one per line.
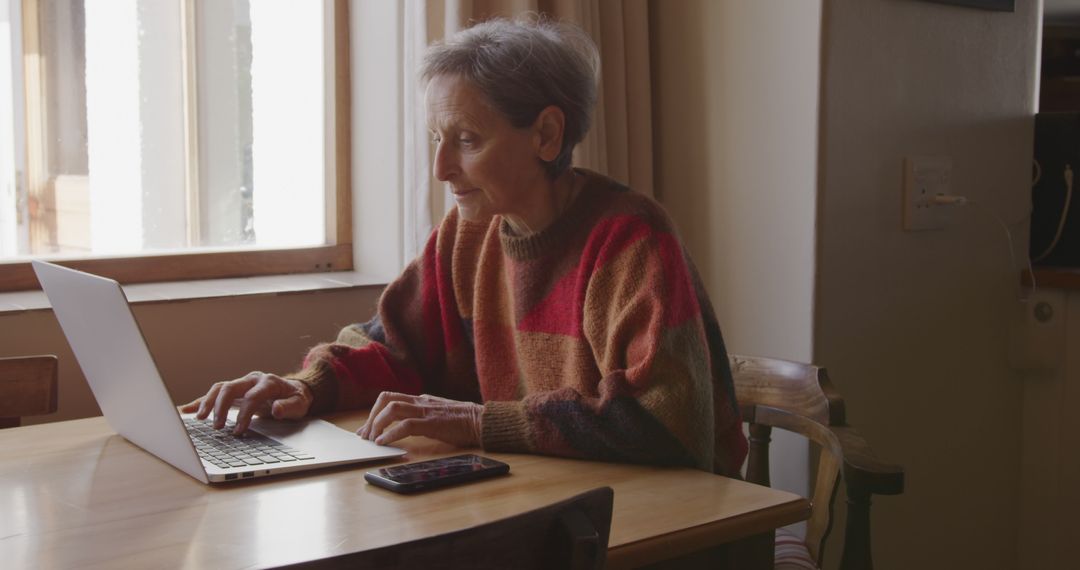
(523,66)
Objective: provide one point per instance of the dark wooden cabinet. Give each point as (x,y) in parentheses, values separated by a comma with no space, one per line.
(1059,85)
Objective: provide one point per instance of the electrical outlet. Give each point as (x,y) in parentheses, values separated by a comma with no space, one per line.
(924,178)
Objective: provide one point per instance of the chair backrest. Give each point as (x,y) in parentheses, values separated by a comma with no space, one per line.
(28,387)
(800,398)
(791,386)
(570,534)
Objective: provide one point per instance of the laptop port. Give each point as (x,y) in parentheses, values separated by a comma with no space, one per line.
(248,474)
(230,476)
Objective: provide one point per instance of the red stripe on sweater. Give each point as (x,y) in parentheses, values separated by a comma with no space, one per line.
(440,314)
(363,373)
(681,302)
(560,312)
(613,235)
(680,299)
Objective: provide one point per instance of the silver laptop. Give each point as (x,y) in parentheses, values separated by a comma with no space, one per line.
(112,352)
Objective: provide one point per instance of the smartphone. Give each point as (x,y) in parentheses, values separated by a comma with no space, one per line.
(423,475)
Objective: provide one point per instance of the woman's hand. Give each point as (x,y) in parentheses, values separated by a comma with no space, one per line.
(257,393)
(456,423)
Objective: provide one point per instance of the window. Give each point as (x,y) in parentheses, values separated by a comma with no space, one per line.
(170,139)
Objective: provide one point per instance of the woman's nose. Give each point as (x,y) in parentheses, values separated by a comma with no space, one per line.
(445,162)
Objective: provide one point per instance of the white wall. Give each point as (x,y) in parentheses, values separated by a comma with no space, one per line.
(377,143)
(735,93)
(914,326)
(9,85)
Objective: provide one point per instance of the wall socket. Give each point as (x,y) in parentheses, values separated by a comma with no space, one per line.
(924,178)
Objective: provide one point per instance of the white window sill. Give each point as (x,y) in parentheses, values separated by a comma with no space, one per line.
(144,293)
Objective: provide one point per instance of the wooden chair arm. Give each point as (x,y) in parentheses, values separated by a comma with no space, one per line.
(864,475)
(863,471)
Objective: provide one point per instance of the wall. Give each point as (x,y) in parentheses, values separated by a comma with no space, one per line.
(735,91)
(914,326)
(198,342)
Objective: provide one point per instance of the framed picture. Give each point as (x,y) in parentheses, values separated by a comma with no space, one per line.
(996,5)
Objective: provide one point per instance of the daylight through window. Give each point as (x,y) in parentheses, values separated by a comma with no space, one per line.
(140,126)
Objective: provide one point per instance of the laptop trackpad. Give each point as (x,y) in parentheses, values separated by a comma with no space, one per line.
(318,437)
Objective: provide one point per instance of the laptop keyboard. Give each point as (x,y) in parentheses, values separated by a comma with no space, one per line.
(225,450)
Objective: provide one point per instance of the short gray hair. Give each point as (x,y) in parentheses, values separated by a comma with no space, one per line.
(523,66)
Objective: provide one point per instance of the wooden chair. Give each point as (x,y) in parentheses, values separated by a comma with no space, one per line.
(28,387)
(799,398)
(570,534)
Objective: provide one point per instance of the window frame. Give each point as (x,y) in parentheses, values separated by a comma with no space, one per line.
(202,264)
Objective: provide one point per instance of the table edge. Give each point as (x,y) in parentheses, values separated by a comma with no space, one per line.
(650,550)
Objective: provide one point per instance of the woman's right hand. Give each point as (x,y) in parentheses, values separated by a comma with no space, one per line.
(267,395)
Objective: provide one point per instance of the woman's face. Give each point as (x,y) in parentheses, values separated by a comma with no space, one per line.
(489,166)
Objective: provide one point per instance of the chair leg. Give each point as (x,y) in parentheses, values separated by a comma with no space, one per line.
(856,554)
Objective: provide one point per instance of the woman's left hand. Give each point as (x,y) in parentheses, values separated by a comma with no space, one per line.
(396,416)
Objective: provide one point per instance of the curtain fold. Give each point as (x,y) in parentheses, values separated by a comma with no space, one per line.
(416,200)
(619,143)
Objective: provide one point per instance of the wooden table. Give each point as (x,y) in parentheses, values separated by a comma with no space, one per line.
(76,494)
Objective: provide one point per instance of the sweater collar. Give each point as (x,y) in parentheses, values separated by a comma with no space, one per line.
(533,245)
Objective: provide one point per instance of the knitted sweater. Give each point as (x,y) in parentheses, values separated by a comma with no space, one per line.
(593,338)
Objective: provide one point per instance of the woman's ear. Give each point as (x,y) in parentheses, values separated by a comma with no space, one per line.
(548,128)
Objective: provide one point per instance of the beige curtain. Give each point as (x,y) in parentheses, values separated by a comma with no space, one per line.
(620,141)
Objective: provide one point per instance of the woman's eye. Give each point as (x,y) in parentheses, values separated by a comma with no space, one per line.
(436,139)
(466,141)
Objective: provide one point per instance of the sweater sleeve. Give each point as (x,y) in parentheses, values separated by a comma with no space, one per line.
(654,401)
(416,343)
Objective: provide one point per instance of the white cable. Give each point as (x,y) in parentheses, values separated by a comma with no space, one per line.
(1012,250)
(1064,213)
(1012,257)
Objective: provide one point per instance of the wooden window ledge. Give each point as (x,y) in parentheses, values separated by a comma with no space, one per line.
(166,292)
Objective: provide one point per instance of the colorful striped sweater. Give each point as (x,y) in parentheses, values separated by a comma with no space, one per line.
(593,338)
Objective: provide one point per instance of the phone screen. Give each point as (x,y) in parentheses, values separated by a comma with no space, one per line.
(436,472)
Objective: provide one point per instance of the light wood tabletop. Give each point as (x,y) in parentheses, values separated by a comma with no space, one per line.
(76,494)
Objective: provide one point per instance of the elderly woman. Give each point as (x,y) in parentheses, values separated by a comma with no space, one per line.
(553,311)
